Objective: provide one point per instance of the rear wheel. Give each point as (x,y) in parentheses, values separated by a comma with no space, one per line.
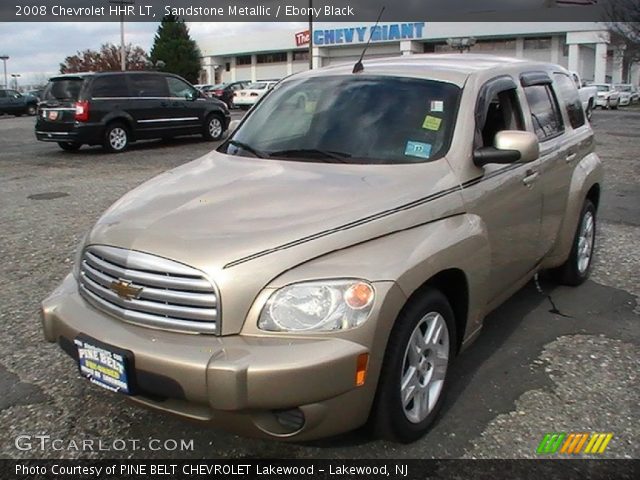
(116,138)
(69,146)
(213,127)
(578,266)
(414,374)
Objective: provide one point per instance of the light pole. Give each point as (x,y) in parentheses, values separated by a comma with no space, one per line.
(15,77)
(310,34)
(4,59)
(122,5)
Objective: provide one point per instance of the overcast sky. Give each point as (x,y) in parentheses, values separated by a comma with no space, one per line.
(37,49)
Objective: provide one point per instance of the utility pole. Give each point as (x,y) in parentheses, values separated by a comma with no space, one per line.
(4,59)
(122,5)
(310,34)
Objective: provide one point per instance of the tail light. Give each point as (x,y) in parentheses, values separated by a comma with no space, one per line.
(82,111)
(218,93)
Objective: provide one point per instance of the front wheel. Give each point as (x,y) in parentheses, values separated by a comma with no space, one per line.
(116,138)
(213,128)
(578,266)
(69,146)
(414,374)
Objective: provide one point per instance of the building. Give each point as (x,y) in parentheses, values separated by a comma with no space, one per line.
(583,47)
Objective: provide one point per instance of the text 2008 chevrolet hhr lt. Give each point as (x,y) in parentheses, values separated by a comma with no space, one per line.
(322,268)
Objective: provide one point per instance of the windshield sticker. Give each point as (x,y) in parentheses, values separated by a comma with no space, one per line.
(417,149)
(432,123)
(437,106)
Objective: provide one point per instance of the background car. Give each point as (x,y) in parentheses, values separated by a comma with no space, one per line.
(113,109)
(226,91)
(608,96)
(36,93)
(15,103)
(248,96)
(628,93)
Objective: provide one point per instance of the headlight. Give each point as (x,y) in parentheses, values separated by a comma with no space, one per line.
(318,306)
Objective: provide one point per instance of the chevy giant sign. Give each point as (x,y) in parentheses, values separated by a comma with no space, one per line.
(381,33)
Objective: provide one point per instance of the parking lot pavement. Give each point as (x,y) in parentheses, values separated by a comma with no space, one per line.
(530,372)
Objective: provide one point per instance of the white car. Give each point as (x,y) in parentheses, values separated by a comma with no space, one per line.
(247,97)
(608,97)
(628,93)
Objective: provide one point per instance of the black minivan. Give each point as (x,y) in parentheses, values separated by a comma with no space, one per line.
(113,109)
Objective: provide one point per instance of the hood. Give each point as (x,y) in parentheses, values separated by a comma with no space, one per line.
(220,208)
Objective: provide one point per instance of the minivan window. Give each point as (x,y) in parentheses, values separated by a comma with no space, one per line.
(110,86)
(351,119)
(63,89)
(143,85)
(545,114)
(178,88)
(570,97)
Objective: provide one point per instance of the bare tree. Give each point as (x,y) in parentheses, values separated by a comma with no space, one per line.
(623,21)
(107,59)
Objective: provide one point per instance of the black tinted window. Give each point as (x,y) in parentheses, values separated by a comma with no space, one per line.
(178,88)
(110,86)
(63,89)
(3,93)
(570,98)
(547,121)
(148,86)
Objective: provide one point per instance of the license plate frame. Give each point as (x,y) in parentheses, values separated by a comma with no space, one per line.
(105,365)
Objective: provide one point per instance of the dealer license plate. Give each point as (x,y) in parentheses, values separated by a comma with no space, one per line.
(104,365)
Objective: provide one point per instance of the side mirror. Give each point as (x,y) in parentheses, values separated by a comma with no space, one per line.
(509,146)
(192,95)
(17,95)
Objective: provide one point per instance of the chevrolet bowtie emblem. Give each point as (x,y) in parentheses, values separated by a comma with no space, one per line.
(125,290)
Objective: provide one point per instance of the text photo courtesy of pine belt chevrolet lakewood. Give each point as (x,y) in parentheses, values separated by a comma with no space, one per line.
(324,266)
(115,109)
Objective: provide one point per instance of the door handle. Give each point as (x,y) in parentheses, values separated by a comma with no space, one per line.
(571,157)
(531,177)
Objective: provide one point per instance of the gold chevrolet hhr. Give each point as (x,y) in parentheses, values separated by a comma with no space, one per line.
(323,267)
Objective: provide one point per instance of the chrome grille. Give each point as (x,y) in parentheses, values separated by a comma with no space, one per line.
(168,295)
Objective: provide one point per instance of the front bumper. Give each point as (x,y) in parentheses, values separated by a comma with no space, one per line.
(241,382)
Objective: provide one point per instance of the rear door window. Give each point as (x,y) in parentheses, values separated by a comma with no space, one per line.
(148,86)
(64,89)
(110,86)
(570,98)
(545,113)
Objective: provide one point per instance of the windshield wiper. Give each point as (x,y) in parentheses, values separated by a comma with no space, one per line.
(249,149)
(312,153)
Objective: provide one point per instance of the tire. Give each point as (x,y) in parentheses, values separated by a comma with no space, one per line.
(244,107)
(404,421)
(69,146)
(616,106)
(213,128)
(32,110)
(116,138)
(17,114)
(576,269)
(589,112)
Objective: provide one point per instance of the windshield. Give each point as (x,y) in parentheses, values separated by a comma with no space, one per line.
(257,86)
(624,88)
(63,89)
(351,119)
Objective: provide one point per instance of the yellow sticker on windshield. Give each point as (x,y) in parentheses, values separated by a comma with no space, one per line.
(432,123)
